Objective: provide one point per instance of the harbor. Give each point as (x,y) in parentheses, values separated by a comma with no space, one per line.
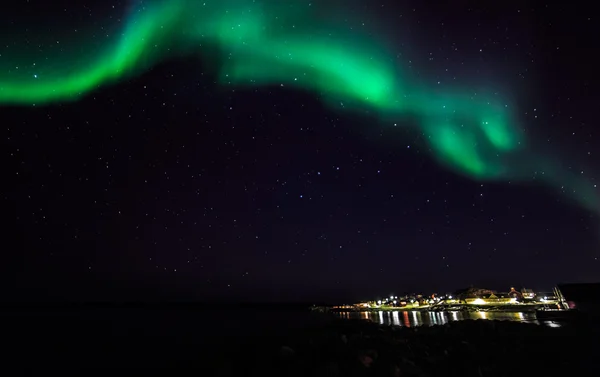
(563,302)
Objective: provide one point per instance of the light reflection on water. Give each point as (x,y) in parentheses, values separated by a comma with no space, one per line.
(418,318)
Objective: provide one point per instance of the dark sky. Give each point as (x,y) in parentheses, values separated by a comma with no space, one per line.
(168,185)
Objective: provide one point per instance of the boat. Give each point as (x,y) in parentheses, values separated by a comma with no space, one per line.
(575,302)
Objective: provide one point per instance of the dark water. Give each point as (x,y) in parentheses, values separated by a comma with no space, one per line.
(199,324)
(112,337)
(416,318)
(210,324)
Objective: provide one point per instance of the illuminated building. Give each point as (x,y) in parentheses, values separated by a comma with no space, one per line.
(515,294)
(528,294)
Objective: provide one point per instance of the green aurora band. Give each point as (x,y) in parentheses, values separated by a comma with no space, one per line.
(292,43)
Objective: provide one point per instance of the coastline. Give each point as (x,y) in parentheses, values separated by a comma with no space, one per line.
(514,308)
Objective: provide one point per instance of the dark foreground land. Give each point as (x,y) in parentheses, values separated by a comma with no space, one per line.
(254,343)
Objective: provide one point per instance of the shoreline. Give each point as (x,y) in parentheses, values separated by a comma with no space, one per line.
(533,308)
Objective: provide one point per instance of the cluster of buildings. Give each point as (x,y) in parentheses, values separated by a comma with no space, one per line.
(469,296)
(564,301)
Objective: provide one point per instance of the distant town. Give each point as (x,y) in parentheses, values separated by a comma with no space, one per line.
(467,299)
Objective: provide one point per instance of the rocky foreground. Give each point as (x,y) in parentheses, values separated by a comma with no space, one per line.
(188,342)
(467,348)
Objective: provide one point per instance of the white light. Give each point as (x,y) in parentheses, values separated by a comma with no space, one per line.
(450,297)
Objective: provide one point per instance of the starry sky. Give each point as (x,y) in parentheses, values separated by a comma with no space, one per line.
(297,151)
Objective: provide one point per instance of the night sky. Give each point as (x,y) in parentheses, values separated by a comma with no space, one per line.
(159,175)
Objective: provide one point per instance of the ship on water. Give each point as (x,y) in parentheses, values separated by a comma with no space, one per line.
(574,301)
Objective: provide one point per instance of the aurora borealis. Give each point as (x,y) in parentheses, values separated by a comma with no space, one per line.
(476,134)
